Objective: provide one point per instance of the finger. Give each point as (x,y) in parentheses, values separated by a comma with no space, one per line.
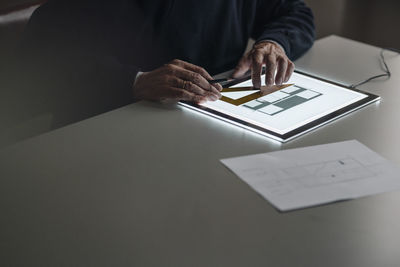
(180,94)
(193,68)
(242,67)
(256,68)
(193,88)
(189,86)
(198,80)
(270,70)
(196,69)
(281,71)
(289,71)
(218,86)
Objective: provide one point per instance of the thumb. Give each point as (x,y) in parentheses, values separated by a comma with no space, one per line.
(242,67)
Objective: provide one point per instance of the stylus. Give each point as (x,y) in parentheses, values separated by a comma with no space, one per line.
(220,80)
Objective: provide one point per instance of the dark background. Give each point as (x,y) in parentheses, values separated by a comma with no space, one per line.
(370,21)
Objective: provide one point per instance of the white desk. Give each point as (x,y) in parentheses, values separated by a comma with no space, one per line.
(142,186)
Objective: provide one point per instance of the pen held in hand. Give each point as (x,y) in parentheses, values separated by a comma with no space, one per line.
(220,80)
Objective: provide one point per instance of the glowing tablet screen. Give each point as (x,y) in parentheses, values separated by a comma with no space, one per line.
(290,108)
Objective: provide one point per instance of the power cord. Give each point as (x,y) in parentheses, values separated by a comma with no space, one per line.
(384,67)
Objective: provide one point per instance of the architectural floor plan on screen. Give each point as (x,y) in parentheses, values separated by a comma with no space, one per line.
(304,101)
(282,100)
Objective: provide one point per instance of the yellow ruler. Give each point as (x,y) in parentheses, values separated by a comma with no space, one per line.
(264,90)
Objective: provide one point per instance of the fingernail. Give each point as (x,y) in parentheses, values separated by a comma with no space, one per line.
(213,97)
(217,88)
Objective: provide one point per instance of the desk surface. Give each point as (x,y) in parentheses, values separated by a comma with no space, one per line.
(142,186)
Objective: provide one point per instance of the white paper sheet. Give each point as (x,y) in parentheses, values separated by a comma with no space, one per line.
(304,177)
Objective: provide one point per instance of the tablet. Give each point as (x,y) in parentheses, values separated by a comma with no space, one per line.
(304,104)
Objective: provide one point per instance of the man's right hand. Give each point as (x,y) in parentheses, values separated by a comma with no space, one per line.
(177,80)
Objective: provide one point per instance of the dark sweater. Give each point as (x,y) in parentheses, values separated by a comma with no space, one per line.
(96,47)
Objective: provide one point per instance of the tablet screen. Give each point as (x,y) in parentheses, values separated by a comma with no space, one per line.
(292,107)
(303,105)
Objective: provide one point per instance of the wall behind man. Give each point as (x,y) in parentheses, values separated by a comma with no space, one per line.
(372,21)
(11,4)
(329,16)
(369,21)
(14,14)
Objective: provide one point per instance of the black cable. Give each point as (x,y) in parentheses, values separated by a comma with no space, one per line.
(384,67)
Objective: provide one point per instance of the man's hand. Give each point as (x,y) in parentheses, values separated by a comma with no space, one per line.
(275,59)
(177,80)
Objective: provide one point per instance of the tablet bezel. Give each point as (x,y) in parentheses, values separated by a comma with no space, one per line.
(371,98)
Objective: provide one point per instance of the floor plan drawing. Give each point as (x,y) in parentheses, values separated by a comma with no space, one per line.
(330,172)
(325,173)
(304,177)
(282,100)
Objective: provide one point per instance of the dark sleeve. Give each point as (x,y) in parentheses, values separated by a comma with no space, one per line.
(66,58)
(288,22)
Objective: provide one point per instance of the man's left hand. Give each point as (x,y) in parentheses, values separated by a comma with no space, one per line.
(275,60)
